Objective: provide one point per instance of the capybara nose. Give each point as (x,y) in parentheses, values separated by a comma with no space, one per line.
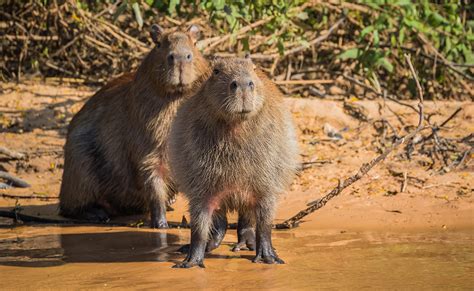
(171,58)
(251,85)
(234,85)
(177,57)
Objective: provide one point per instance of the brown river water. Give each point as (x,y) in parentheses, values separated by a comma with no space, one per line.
(104,257)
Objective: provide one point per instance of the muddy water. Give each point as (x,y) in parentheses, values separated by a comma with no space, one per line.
(95,257)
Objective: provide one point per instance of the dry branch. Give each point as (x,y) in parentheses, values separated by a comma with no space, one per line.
(364,169)
(303,82)
(14,181)
(12,154)
(40,197)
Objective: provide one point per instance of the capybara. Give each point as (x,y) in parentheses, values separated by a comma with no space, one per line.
(232,147)
(115,154)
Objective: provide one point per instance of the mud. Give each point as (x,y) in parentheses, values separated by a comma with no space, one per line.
(373,235)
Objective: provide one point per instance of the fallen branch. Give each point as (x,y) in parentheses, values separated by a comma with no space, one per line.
(303,82)
(12,154)
(14,181)
(364,169)
(41,197)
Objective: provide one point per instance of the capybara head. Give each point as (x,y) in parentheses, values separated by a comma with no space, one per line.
(178,62)
(234,90)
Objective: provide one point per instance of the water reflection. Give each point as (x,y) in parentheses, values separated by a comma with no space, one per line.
(102,247)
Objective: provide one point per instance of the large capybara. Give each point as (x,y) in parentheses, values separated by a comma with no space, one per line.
(233,148)
(115,154)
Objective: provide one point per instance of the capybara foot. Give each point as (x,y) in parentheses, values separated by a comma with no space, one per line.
(96,214)
(186,264)
(246,240)
(267,255)
(159,223)
(270,259)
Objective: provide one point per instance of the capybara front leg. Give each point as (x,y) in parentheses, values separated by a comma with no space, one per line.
(201,219)
(265,253)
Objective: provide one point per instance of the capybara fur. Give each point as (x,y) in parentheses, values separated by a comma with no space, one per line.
(115,153)
(233,148)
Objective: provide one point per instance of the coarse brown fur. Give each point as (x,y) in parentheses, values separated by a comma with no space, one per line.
(115,158)
(233,148)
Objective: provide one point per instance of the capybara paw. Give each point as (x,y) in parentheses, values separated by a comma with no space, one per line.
(212,244)
(184,249)
(96,214)
(246,242)
(189,264)
(162,224)
(243,246)
(270,259)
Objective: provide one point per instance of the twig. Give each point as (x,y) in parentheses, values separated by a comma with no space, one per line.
(14,181)
(241,31)
(364,169)
(41,197)
(396,100)
(316,40)
(303,82)
(405,182)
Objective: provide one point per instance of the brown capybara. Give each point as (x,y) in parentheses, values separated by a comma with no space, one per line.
(232,147)
(115,159)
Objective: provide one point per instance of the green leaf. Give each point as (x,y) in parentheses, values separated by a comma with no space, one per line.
(120,9)
(218,4)
(352,53)
(376,38)
(138,14)
(385,63)
(367,30)
(172,6)
(302,15)
(245,44)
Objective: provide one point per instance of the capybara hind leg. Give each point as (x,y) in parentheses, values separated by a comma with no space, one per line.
(245,232)
(158,204)
(219,228)
(158,215)
(265,253)
(95,213)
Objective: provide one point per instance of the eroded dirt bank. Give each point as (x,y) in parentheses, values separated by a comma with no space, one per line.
(372,235)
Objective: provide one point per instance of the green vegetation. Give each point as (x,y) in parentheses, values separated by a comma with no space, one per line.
(371,41)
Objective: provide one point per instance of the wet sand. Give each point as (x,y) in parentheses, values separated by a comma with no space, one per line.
(371,236)
(91,257)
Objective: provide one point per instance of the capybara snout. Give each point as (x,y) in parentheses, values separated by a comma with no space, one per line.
(177,54)
(242,96)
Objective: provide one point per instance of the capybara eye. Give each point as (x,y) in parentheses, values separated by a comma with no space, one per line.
(251,85)
(158,44)
(233,85)
(189,57)
(216,71)
(170,58)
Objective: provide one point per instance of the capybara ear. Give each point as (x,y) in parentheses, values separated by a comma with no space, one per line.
(194,32)
(155,32)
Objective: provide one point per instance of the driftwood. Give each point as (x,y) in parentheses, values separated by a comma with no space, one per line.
(14,181)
